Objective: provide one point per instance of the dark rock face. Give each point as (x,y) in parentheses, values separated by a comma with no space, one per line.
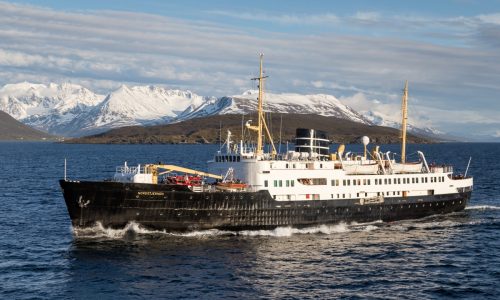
(207,130)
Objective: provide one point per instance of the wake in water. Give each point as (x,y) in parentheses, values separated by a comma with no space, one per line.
(482,207)
(132,228)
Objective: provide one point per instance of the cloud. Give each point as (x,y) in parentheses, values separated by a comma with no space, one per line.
(288,19)
(103,49)
(367,17)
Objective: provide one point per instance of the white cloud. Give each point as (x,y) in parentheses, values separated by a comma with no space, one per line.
(102,49)
(367,16)
(490,18)
(327,18)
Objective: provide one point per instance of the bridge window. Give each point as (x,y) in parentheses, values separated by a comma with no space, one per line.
(266,183)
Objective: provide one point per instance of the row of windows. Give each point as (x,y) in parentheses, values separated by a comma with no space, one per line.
(386,181)
(223,158)
(279,183)
(360,195)
(348,182)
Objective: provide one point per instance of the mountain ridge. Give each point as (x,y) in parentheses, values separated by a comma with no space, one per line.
(207,130)
(72,110)
(15,130)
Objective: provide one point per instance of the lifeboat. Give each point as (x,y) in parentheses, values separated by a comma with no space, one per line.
(231,186)
(414,167)
(361,169)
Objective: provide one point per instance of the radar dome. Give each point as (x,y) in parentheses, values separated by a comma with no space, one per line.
(365,140)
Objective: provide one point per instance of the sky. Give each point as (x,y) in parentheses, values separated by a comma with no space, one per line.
(359,51)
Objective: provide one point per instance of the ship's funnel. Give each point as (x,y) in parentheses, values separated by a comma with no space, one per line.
(312,141)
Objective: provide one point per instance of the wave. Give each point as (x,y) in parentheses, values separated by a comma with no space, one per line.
(482,207)
(99,231)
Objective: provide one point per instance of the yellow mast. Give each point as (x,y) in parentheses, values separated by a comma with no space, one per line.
(261,117)
(404,110)
(260,106)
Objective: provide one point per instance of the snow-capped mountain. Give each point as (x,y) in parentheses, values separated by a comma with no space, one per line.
(72,110)
(47,107)
(138,105)
(394,121)
(325,105)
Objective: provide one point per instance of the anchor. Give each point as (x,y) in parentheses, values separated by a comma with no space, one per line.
(82,203)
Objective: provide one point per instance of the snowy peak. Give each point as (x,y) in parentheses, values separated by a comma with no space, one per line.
(25,99)
(139,105)
(72,110)
(325,105)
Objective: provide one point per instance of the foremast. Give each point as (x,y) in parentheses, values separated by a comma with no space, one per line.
(261,125)
(404,111)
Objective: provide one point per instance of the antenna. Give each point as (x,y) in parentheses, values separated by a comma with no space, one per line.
(220,135)
(281,125)
(467,169)
(404,112)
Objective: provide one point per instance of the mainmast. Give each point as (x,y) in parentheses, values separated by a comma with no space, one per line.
(404,111)
(261,117)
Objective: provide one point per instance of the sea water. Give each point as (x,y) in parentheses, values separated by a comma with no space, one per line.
(42,256)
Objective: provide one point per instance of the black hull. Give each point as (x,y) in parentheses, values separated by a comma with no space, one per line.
(173,208)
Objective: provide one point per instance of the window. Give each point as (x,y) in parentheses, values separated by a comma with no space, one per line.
(288,183)
(312,181)
(276,183)
(292,182)
(344,182)
(265,183)
(281,183)
(354,182)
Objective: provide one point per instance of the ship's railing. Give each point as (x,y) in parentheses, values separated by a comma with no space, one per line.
(441,169)
(130,170)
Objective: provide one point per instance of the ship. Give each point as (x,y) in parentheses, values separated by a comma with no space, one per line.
(250,185)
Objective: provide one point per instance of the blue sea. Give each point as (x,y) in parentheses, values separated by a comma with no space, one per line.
(42,257)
